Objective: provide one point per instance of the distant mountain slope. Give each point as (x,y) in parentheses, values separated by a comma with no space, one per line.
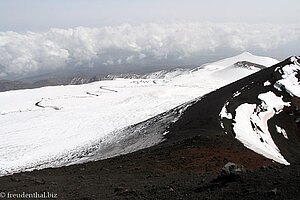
(245,60)
(246,56)
(166,74)
(99,115)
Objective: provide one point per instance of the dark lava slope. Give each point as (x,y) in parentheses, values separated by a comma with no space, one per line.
(204,115)
(187,164)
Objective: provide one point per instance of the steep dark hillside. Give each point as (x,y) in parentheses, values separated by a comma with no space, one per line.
(203,116)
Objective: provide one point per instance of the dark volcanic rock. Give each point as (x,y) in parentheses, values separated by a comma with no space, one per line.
(248,65)
(232,170)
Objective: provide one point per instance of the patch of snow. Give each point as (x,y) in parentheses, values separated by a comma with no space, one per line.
(267,83)
(237,93)
(289,80)
(224,113)
(165,133)
(257,139)
(282,131)
(222,125)
(273,102)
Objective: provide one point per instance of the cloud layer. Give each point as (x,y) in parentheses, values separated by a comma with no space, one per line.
(31,52)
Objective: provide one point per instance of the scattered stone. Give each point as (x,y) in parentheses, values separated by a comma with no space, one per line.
(274,191)
(232,170)
(122,191)
(169,188)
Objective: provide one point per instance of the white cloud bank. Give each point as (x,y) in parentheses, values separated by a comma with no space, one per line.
(85,47)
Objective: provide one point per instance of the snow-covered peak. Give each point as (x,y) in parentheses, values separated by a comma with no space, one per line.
(223,69)
(246,56)
(261,60)
(246,53)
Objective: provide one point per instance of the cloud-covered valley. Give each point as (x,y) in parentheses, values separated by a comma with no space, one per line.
(35,52)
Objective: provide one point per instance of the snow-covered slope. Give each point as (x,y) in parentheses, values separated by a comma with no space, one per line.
(246,56)
(221,73)
(251,117)
(166,74)
(47,124)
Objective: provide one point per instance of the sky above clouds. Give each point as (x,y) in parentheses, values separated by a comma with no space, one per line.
(38,36)
(37,15)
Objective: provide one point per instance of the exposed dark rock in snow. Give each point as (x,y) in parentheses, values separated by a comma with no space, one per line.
(249,65)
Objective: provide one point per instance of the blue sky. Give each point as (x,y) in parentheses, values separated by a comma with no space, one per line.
(40,15)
